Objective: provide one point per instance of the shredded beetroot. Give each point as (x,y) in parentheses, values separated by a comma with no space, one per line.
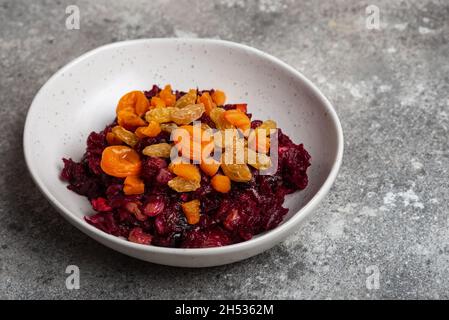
(155,217)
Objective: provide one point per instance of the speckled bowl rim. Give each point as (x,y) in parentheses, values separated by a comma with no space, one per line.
(279,232)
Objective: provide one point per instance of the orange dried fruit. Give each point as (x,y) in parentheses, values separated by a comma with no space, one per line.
(112,139)
(186,170)
(167,96)
(219,97)
(217,116)
(237,118)
(221,183)
(128,119)
(120,161)
(206,100)
(192,211)
(135,101)
(210,166)
(242,107)
(157,102)
(133,185)
(152,130)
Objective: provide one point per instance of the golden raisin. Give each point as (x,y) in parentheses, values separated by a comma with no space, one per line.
(237,172)
(187,99)
(161,150)
(126,136)
(160,115)
(179,184)
(187,114)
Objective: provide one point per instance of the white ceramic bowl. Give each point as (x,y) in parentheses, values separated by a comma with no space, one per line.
(81,97)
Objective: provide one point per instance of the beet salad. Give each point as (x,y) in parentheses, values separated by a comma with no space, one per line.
(186,169)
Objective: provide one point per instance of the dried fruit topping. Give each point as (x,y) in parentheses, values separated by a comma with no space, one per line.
(112,139)
(160,115)
(187,99)
(187,114)
(161,150)
(152,130)
(219,97)
(129,119)
(237,172)
(179,184)
(157,102)
(120,161)
(238,119)
(209,166)
(167,96)
(206,99)
(186,170)
(221,183)
(133,185)
(242,107)
(191,210)
(168,127)
(126,136)
(138,236)
(135,101)
(217,116)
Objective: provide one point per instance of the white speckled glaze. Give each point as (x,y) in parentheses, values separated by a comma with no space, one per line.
(81,97)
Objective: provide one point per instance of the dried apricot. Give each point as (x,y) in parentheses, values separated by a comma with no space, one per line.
(192,211)
(167,96)
(161,150)
(186,170)
(242,107)
(187,114)
(135,101)
(238,119)
(128,119)
(157,102)
(120,161)
(206,99)
(152,130)
(125,135)
(133,185)
(219,97)
(179,184)
(210,166)
(221,183)
(187,99)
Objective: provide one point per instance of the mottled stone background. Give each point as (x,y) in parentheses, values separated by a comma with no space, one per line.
(388,207)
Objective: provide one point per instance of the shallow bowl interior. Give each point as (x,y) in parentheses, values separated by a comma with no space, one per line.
(82,96)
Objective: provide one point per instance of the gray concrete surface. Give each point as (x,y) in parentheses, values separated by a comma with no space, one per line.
(388,207)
